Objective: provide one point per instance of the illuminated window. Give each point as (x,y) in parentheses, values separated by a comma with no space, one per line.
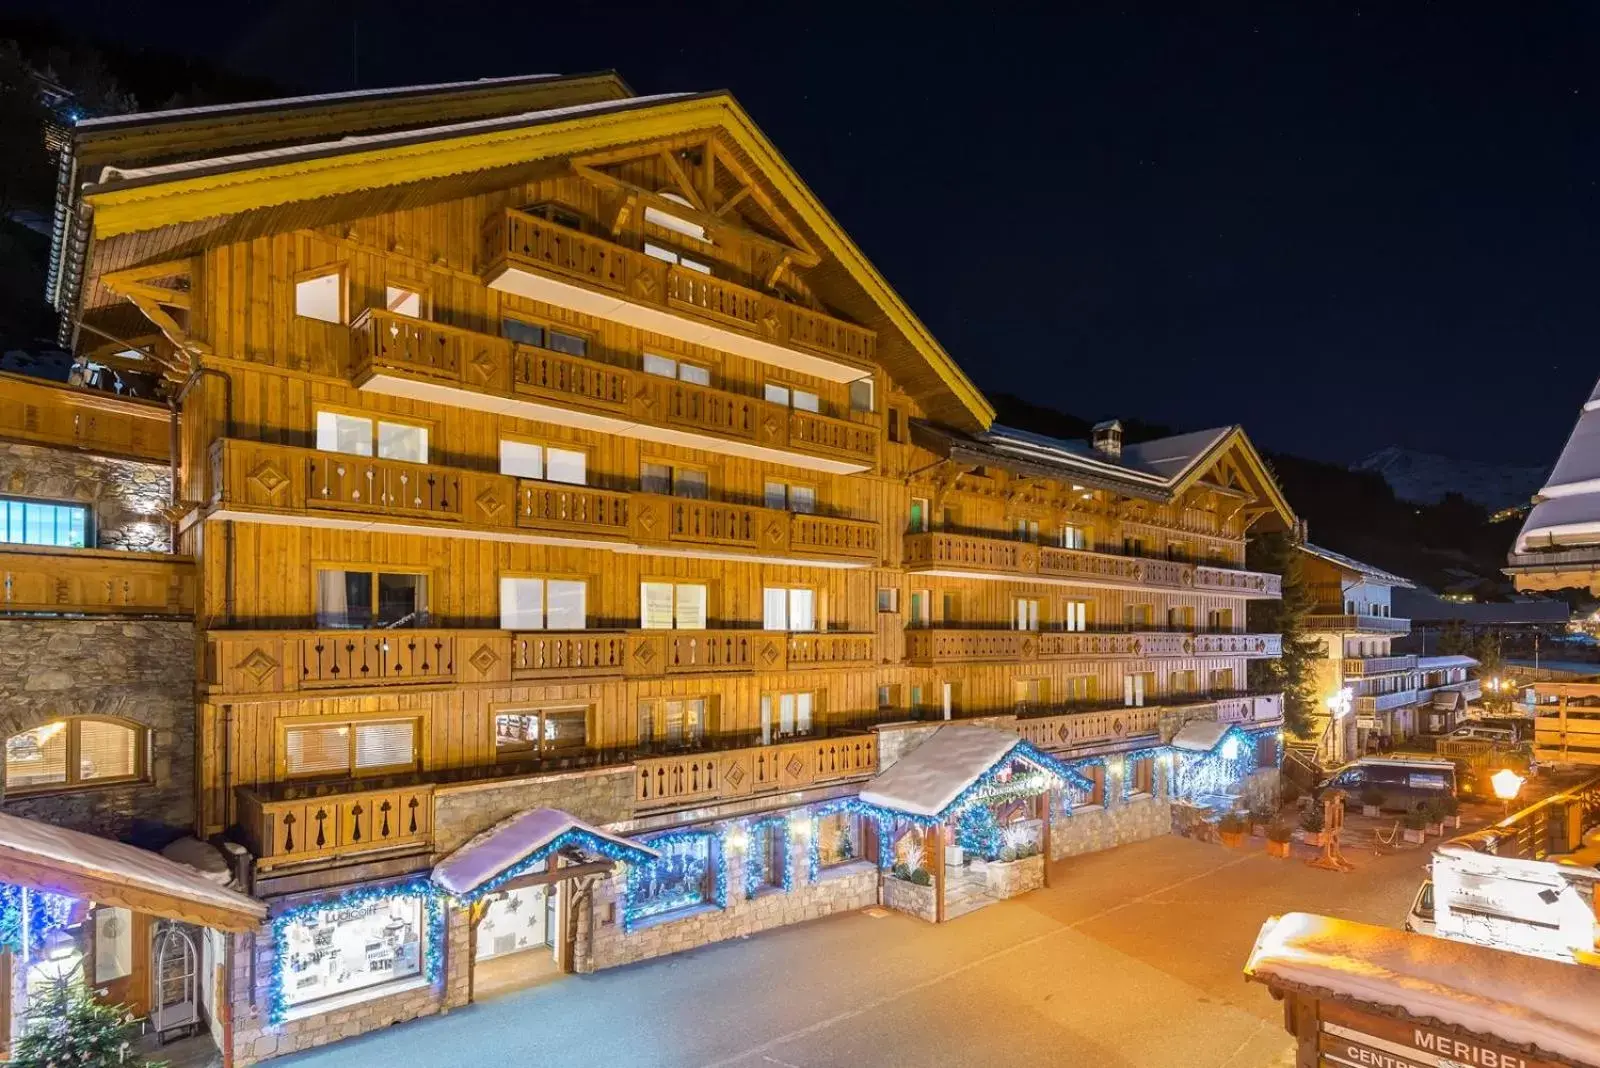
(786,714)
(24,522)
(1075,615)
(792,398)
(73,753)
(403,301)
(543,604)
(350,747)
(360,599)
(790,496)
(668,367)
(361,435)
(841,839)
(788,608)
(540,731)
(674,480)
(1142,776)
(321,297)
(545,462)
(672,605)
(350,948)
(861,395)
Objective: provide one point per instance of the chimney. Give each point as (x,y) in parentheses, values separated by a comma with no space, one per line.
(1108,439)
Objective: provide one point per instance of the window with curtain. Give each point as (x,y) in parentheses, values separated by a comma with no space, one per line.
(540,731)
(676,722)
(672,605)
(351,747)
(543,604)
(790,496)
(788,608)
(668,479)
(75,752)
(25,522)
(545,462)
(360,435)
(1075,615)
(784,715)
(668,367)
(359,599)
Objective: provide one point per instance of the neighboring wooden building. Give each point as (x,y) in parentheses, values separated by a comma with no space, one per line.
(550,449)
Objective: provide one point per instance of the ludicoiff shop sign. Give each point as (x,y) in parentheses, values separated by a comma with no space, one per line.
(1350,1038)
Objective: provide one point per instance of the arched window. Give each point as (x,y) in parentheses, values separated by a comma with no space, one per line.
(71,753)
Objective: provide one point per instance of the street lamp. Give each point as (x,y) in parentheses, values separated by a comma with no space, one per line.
(1507,784)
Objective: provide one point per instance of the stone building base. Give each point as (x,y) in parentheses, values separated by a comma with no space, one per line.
(1091,829)
(904,896)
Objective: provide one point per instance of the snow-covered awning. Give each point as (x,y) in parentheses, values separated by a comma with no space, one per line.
(517,844)
(44,857)
(930,780)
(1440,663)
(1200,735)
(1514,997)
(1450,701)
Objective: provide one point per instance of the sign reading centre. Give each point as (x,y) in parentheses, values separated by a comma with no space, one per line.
(1354,1039)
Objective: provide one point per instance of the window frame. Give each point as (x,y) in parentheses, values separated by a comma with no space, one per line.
(1140,777)
(675,584)
(789,487)
(312,274)
(73,780)
(429,428)
(657,711)
(544,446)
(544,598)
(675,469)
(790,592)
(87,507)
(374,570)
(538,750)
(769,711)
(351,724)
(409,285)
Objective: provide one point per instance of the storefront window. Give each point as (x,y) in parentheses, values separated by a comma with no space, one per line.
(839,839)
(342,950)
(681,879)
(767,860)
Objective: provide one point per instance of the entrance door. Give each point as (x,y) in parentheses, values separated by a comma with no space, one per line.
(120,962)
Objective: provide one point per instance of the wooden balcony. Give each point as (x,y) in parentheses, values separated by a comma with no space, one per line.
(545,261)
(982,557)
(412,358)
(36,579)
(1371,704)
(1336,622)
(252,478)
(1370,666)
(293,824)
(37,412)
(1069,730)
(243,663)
(938,646)
(698,778)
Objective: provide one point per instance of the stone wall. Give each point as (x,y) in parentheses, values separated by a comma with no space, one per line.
(604,944)
(140,671)
(127,495)
(599,797)
(1260,790)
(255,1038)
(910,898)
(1091,828)
(896,740)
(1015,878)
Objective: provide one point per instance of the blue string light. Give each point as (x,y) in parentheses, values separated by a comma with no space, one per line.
(882,818)
(637,884)
(433,949)
(622,853)
(47,911)
(755,835)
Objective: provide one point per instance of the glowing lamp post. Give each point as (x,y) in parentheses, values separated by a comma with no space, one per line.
(1507,785)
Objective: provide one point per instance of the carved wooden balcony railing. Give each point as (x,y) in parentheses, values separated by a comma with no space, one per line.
(290,824)
(45,413)
(937,552)
(1330,619)
(1360,666)
(414,350)
(518,241)
(955,646)
(327,487)
(95,582)
(716,776)
(288,661)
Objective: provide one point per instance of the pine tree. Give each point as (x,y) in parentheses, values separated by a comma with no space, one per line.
(1295,672)
(66,1026)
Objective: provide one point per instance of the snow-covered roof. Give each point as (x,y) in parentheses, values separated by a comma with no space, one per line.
(284,102)
(525,836)
(1170,457)
(1439,663)
(1200,735)
(1349,563)
(357,142)
(100,866)
(1568,512)
(1513,997)
(928,779)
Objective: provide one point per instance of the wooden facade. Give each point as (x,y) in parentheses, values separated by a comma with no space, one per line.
(653,296)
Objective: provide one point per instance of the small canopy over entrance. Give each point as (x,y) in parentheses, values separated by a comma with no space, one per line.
(518,846)
(1200,736)
(83,866)
(965,820)
(1211,760)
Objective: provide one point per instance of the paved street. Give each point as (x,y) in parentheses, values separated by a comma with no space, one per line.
(1131,958)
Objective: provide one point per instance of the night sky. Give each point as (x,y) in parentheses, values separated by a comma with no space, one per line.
(1344,231)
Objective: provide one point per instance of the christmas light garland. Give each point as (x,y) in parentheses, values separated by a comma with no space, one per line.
(754,830)
(636,886)
(433,947)
(575,837)
(47,911)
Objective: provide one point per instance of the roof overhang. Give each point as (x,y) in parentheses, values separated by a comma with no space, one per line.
(173,198)
(943,774)
(84,866)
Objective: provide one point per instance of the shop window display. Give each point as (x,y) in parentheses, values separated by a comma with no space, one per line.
(513,922)
(681,879)
(343,950)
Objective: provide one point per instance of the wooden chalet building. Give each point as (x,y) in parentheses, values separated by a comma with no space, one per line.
(584,531)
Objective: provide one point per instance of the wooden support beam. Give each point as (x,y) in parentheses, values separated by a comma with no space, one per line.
(777,270)
(624,212)
(732,202)
(935,836)
(708,174)
(681,180)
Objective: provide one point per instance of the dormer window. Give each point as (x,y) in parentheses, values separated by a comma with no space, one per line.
(677,224)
